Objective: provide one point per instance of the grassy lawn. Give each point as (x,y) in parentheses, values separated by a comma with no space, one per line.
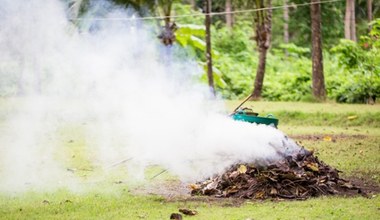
(344,136)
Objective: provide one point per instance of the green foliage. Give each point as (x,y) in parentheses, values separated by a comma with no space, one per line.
(295,50)
(185,9)
(361,62)
(351,69)
(300,23)
(236,61)
(289,77)
(191,38)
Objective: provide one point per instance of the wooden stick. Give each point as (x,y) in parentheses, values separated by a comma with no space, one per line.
(245,100)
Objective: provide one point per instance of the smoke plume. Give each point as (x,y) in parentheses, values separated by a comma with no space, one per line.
(109,83)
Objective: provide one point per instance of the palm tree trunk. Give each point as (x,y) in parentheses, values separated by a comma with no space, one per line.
(208,46)
(349,21)
(258,87)
(286,24)
(193,5)
(229,17)
(369,13)
(319,91)
(353,21)
(263,22)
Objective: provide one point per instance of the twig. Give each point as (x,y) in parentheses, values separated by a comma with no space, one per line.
(118,163)
(163,171)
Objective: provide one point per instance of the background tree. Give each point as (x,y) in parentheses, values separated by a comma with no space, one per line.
(369,13)
(207,9)
(300,24)
(167,35)
(263,25)
(349,21)
(286,23)
(193,4)
(288,67)
(319,90)
(161,7)
(229,15)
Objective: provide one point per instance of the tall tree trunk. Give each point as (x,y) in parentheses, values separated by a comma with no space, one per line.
(353,21)
(258,87)
(349,21)
(319,90)
(193,4)
(207,5)
(229,16)
(369,13)
(263,22)
(286,24)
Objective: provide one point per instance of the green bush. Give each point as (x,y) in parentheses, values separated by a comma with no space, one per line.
(361,62)
(352,70)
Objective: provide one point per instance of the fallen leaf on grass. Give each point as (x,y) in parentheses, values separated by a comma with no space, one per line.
(45,202)
(327,138)
(352,117)
(176,216)
(188,212)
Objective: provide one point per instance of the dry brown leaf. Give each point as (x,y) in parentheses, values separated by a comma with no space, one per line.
(327,138)
(352,117)
(188,212)
(313,167)
(242,169)
(194,186)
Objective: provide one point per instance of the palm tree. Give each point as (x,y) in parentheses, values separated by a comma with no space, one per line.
(207,9)
(143,8)
(156,7)
(319,90)
(349,21)
(263,24)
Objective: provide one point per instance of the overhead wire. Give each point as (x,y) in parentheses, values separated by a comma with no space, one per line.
(203,14)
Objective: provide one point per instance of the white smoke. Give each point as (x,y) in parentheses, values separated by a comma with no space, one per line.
(112,82)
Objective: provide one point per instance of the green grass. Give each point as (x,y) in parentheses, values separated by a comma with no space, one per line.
(352,155)
(354,148)
(97,205)
(263,106)
(317,114)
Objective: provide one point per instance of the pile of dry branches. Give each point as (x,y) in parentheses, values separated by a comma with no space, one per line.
(295,177)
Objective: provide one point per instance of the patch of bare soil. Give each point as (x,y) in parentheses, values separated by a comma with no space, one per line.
(321,137)
(368,186)
(167,188)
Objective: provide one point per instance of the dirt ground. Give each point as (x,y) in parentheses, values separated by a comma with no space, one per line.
(176,191)
(320,137)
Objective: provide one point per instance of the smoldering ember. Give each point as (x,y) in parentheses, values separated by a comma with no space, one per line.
(298,176)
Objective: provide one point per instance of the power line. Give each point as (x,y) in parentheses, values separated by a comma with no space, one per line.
(212,13)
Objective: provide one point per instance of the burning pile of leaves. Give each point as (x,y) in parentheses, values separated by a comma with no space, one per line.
(295,177)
